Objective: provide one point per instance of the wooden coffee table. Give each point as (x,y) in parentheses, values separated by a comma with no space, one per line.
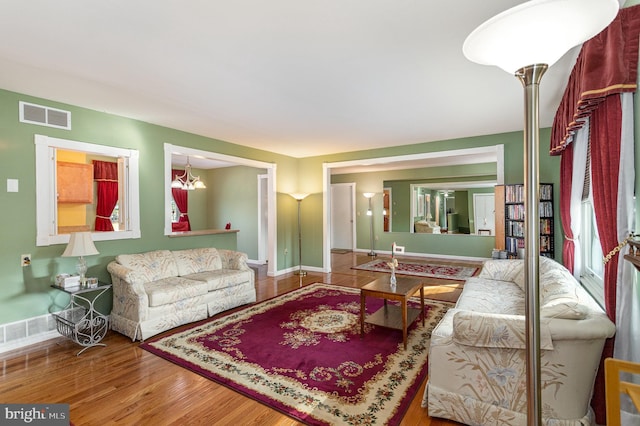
(392,316)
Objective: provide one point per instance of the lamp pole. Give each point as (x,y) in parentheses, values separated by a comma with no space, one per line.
(299,197)
(530,77)
(369,196)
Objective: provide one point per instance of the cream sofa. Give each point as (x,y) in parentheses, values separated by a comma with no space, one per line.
(477,372)
(428,227)
(159,290)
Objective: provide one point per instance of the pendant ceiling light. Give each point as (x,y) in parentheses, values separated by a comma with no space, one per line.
(187,180)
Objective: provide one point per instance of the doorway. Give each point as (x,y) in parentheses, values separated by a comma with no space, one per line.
(342,216)
(484,209)
(263,219)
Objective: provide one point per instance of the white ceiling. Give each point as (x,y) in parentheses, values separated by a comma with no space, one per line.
(295,77)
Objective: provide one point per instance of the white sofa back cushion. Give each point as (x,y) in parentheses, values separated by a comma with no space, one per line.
(150,266)
(192,261)
(559,295)
(559,290)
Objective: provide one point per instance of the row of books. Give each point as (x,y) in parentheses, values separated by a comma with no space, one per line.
(516,211)
(516,228)
(515,193)
(515,243)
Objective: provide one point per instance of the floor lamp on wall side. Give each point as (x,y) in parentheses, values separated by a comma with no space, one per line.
(369,196)
(525,40)
(299,197)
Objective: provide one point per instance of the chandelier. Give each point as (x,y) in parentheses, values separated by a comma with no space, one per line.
(187,180)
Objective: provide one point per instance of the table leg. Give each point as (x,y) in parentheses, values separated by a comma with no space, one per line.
(404,322)
(362,297)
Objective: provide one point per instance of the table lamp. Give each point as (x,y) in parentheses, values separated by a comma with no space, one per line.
(80,245)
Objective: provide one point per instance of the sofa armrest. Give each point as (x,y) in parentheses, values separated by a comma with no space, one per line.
(129,296)
(596,326)
(126,274)
(232,259)
(488,330)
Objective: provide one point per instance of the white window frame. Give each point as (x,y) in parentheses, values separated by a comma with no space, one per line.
(589,278)
(46,200)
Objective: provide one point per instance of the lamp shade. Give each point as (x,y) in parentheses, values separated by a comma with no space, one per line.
(369,194)
(299,195)
(537,32)
(80,244)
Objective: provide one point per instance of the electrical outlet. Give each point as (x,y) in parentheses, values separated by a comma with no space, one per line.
(25,260)
(286,251)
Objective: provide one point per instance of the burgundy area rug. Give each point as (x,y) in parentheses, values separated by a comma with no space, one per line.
(429,270)
(301,353)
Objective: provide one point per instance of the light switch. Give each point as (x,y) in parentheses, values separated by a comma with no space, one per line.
(12,185)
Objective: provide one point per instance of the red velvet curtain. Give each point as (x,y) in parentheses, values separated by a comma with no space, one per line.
(606,123)
(566,181)
(106,176)
(180,196)
(606,65)
(605,163)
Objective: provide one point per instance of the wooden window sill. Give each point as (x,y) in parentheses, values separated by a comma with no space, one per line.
(202,232)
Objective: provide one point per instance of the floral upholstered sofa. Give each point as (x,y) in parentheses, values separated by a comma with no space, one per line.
(477,367)
(159,290)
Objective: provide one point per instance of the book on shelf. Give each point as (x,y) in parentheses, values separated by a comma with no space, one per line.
(515,193)
(545,226)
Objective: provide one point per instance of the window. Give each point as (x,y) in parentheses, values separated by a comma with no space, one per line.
(592,267)
(48,206)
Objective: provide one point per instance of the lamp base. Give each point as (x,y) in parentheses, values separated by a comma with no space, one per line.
(373,254)
(301,273)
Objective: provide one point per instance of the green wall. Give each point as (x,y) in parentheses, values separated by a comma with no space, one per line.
(25,291)
(234,199)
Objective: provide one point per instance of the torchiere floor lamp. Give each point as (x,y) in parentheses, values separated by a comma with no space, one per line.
(299,197)
(369,196)
(525,40)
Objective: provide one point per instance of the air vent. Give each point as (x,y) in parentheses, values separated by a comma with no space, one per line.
(45,116)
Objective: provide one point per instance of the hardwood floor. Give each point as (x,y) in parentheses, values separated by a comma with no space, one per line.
(125,385)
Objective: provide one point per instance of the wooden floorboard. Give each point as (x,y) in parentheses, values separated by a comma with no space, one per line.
(121,384)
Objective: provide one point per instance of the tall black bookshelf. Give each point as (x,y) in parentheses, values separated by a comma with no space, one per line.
(514,219)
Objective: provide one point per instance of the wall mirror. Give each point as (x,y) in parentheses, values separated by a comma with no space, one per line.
(372,174)
(239,192)
(70,196)
(453,208)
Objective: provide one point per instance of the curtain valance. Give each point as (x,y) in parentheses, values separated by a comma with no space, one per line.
(105,170)
(607,65)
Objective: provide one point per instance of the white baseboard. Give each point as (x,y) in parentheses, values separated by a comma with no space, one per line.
(27,341)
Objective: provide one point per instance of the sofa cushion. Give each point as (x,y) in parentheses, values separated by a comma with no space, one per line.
(222,278)
(150,266)
(197,260)
(173,289)
(491,296)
